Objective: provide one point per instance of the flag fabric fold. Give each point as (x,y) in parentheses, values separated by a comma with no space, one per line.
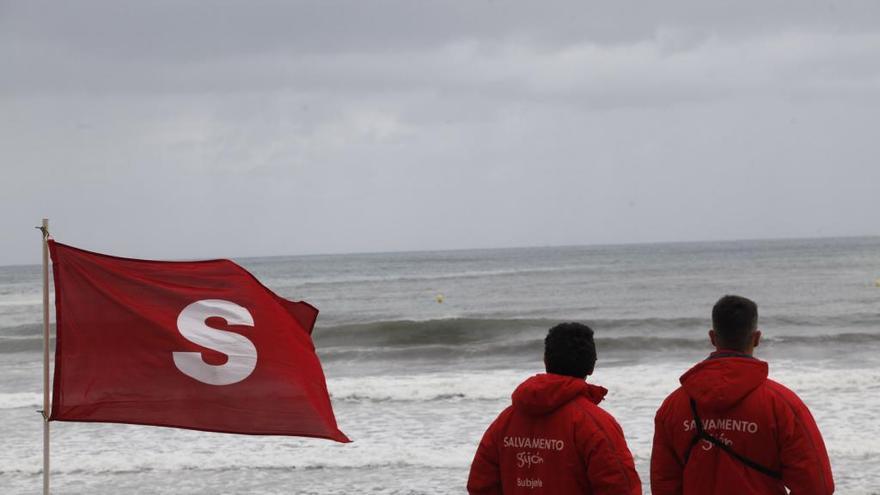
(200,345)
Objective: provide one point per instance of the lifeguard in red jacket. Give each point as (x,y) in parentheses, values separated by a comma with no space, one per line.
(554,438)
(730,430)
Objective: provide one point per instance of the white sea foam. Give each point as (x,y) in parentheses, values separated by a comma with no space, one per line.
(21,301)
(17,400)
(421,422)
(496,385)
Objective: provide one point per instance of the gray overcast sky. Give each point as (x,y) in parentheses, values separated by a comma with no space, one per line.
(200,129)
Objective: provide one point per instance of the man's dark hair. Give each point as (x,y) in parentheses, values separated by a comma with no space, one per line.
(569,350)
(734,319)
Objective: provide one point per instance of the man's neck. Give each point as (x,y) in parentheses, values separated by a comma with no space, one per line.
(725,352)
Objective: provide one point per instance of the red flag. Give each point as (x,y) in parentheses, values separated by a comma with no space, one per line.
(200,345)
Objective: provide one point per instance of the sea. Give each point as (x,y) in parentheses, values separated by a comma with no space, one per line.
(422,350)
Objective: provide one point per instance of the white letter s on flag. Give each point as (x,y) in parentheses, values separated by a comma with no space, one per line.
(241,353)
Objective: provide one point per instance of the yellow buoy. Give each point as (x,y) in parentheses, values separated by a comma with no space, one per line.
(439,298)
(877,283)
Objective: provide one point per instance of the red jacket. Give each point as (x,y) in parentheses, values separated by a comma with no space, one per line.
(554,439)
(755,417)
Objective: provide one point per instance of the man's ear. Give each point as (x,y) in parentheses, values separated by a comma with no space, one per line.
(756,338)
(712,337)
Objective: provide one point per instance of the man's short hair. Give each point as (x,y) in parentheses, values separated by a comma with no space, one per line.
(569,350)
(734,319)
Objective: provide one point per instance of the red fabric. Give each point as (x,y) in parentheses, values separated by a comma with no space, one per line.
(554,439)
(121,348)
(768,424)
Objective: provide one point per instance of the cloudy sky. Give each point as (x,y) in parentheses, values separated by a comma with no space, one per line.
(199,129)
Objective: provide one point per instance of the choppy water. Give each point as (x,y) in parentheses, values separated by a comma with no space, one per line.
(415,382)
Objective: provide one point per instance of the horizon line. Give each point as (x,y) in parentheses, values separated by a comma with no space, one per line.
(532,246)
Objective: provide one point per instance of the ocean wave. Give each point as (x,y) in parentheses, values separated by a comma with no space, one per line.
(439,338)
(433,387)
(28,301)
(616,333)
(466,274)
(475,330)
(529,349)
(17,400)
(26,330)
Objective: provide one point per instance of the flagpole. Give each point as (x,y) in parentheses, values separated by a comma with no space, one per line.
(45,230)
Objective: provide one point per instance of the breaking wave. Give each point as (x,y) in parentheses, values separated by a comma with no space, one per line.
(403,339)
(18,400)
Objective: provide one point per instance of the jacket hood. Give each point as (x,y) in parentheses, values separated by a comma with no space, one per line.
(721,381)
(547,392)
